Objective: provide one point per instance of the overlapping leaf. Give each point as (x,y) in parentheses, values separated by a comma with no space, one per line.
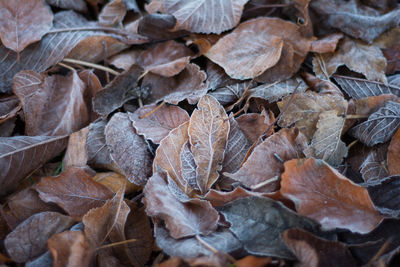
(112,13)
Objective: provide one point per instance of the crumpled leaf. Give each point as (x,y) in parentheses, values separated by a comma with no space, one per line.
(112,13)
(393,154)
(158,124)
(380,126)
(326,143)
(29,239)
(262,169)
(70,248)
(53,105)
(36,56)
(357,56)
(191,218)
(359,88)
(166,59)
(384,194)
(107,221)
(354,19)
(250,49)
(128,149)
(188,84)
(23,23)
(322,193)
(222,240)
(17,153)
(314,251)
(73,190)
(208,134)
(305,109)
(258,223)
(205,16)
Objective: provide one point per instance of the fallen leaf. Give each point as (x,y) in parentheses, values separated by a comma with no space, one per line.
(258,223)
(326,44)
(188,167)
(53,105)
(217,77)
(231,93)
(191,218)
(374,166)
(43,260)
(364,107)
(380,126)
(326,143)
(9,106)
(208,133)
(357,56)
(322,193)
(262,169)
(305,109)
(107,221)
(393,154)
(384,194)
(93,85)
(115,181)
(321,86)
(123,88)
(249,50)
(73,190)
(222,240)
(204,16)
(23,23)
(128,149)
(314,251)
(77,5)
(126,59)
(76,154)
(49,51)
(112,13)
(158,27)
(155,123)
(253,125)
(166,59)
(354,19)
(29,239)
(360,88)
(16,157)
(187,85)
(253,261)
(70,248)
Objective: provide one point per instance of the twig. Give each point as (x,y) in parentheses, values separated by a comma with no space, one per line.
(118,243)
(154,110)
(356,116)
(257,186)
(66,66)
(91,65)
(104,29)
(352,144)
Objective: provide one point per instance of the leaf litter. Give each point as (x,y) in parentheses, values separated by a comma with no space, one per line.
(204,133)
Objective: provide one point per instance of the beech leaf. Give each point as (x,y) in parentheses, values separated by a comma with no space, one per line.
(112,13)
(23,23)
(208,134)
(322,193)
(393,154)
(374,166)
(384,193)
(230,93)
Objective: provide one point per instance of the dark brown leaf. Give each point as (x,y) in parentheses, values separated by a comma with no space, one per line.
(70,248)
(253,125)
(322,193)
(73,190)
(394,154)
(208,134)
(157,27)
(29,239)
(23,23)
(128,149)
(158,124)
(191,218)
(17,153)
(385,195)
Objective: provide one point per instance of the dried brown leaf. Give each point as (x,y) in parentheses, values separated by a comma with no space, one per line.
(208,134)
(159,123)
(322,193)
(191,218)
(115,181)
(374,165)
(327,44)
(29,239)
(263,167)
(231,93)
(128,149)
(125,60)
(253,125)
(23,23)
(393,154)
(9,106)
(76,154)
(17,153)
(53,105)
(157,27)
(70,248)
(166,59)
(112,13)
(73,190)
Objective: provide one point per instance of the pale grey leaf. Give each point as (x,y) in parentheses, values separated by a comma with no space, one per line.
(231,93)
(374,166)
(188,166)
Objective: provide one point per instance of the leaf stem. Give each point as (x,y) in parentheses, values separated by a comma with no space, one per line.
(91,65)
(118,243)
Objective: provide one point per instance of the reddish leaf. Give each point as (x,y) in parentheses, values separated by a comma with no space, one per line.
(53,105)
(205,16)
(128,150)
(325,195)
(208,134)
(314,251)
(159,123)
(23,23)
(17,154)
(112,13)
(29,239)
(327,44)
(253,125)
(393,154)
(253,261)
(262,169)
(166,59)
(70,248)
(73,190)
(181,219)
